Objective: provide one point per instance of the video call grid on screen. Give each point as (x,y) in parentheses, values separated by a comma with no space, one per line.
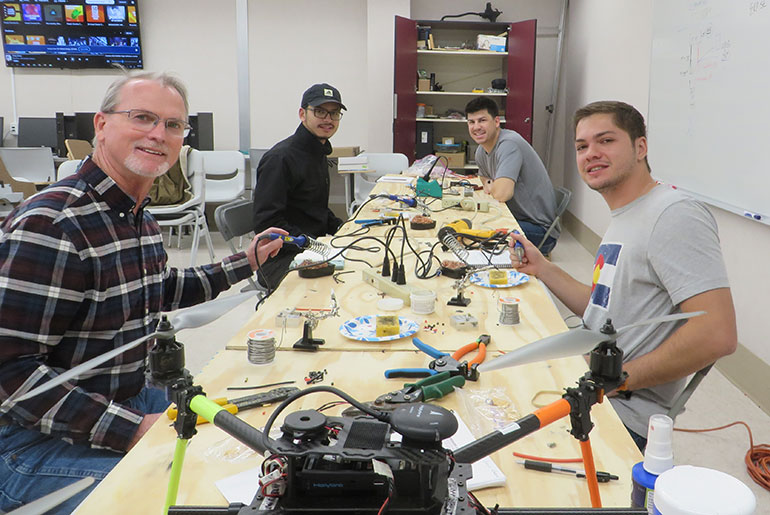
(71,34)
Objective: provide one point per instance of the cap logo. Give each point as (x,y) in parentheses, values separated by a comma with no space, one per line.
(328,93)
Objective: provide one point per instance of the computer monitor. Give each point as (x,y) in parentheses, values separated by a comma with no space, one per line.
(37,132)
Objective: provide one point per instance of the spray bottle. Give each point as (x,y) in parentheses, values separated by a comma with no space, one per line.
(658,458)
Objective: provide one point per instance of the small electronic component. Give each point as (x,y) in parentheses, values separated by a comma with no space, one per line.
(463,321)
(387,325)
(288,318)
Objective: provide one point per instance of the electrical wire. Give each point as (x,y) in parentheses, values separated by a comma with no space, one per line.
(313,389)
(552,460)
(757,458)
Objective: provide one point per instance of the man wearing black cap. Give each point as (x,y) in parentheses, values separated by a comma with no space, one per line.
(292,190)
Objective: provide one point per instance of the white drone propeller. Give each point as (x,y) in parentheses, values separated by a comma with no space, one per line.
(189,318)
(570,343)
(52,500)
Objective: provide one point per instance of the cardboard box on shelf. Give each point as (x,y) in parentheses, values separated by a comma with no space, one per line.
(455,159)
(423,84)
(345,151)
(490,42)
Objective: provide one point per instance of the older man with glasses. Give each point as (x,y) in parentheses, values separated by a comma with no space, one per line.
(292,190)
(83,271)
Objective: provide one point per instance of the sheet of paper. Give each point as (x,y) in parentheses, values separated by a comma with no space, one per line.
(480,258)
(485,472)
(397,179)
(240,487)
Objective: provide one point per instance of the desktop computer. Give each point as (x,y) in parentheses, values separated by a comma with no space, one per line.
(37,132)
(201,135)
(73,126)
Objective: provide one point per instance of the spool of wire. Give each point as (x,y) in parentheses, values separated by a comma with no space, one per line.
(509,310)
(260,346)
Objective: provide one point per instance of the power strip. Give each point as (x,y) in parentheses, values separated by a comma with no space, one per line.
(465,203)
(451,201)
(385,285)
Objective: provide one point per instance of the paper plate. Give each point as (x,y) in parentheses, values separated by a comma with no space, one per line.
(364,329)
(515,278)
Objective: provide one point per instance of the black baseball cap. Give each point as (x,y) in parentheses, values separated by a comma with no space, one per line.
(318,94)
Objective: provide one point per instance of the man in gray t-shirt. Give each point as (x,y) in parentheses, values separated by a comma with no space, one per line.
(660,255)
(507,162)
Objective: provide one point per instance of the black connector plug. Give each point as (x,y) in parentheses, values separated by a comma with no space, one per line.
(386,266)
(401,274)
(394,275)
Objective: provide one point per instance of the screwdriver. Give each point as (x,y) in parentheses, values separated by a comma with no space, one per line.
(243,403)
(518,248)
(602,477)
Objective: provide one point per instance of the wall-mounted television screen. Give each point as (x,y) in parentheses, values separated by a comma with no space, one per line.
(71,33)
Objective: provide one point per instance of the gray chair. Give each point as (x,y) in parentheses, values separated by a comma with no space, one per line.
(563,196)
(679,402)
(234,220)
(255,156)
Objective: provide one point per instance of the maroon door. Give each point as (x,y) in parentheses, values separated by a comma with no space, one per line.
(521,77)
(404,87)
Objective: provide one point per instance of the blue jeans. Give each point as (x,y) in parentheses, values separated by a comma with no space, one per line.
(535,233)
(639,440)
(33,464)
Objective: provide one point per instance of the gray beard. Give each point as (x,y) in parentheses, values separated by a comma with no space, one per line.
(134,165)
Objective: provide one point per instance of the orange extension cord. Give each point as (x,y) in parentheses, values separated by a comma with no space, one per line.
(757,458)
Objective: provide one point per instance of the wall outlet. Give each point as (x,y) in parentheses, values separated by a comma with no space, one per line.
(14,129)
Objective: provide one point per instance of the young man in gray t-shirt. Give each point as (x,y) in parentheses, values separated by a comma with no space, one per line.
(660,255)
(507,163)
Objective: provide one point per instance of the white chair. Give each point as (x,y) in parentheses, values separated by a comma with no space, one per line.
(30,164)
(190,212)
(68,168)
(225,172)
(379,164)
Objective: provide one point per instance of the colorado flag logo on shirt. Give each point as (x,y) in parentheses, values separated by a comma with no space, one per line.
(604,274)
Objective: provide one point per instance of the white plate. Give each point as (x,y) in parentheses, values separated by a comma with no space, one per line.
(364,329)
(515,278)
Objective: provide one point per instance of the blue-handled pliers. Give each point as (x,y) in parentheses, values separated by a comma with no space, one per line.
(444,362)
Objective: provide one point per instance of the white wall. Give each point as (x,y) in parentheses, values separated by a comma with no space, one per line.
(292,44)
(608,57)
(179,36)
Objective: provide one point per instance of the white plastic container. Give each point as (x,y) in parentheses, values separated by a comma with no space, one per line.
(688,490)
(423,302)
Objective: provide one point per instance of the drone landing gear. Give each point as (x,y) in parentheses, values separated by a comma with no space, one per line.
(307,342)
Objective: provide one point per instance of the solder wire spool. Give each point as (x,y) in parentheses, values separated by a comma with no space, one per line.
(260,346)
(509,310)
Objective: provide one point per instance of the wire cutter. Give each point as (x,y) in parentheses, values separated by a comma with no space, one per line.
(443,362)
(433,387)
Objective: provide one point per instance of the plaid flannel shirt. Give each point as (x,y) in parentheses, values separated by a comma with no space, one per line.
(80,274)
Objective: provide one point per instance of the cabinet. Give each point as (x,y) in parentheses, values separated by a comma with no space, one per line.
(459,69)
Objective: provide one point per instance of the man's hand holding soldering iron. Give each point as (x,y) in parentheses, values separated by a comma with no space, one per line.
(262,247)
(524,255)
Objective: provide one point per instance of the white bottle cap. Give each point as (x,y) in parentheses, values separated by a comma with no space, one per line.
(658,455)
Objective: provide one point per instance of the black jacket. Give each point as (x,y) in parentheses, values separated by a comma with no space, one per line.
(292,189)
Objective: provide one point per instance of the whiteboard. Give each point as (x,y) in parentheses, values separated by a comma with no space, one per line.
(709,107)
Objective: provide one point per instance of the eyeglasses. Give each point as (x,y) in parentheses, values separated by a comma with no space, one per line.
(147,121)
(322,113)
